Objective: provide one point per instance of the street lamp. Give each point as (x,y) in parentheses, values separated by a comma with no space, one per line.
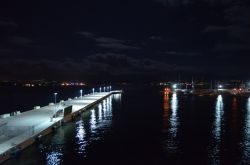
(104,89)
(81,93)
(55,94)
(110,88)
(93,90)
(220,86)
(100,89)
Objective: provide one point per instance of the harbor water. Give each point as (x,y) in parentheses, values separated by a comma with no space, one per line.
(141,126)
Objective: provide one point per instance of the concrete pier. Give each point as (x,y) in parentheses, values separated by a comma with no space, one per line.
(19,131)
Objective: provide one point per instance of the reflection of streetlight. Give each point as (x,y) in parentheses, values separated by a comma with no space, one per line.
(81,93)
(55,94)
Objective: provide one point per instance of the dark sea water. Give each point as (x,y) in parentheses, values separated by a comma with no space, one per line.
(144,126)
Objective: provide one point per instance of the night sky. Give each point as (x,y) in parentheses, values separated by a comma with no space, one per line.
(122,40)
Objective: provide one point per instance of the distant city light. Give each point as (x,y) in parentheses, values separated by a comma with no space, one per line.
(72,84)
(174,86)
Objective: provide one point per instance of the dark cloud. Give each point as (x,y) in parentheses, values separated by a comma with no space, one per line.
(108,42)
(208,2)
(98,64)
(6,52)
(155,38)
(213,28)
(125,37)
(231,47)
(175,2)
(175,53)
(21,40)
(86,34)
(8,24)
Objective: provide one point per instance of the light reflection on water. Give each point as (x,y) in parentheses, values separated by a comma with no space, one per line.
(99,121)
(174,117)
(53,158)
(246,138)
(184,121)
(171,142)
(80,137)
(55,150)
(165,112)
(217,131)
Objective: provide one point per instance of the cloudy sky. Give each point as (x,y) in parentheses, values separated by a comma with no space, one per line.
(124,39)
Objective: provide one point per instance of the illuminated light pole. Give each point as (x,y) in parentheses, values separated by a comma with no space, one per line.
(93,90)
(100,89)
(55,94)
(110,87)
(104,89)
(81,93)
(220,86)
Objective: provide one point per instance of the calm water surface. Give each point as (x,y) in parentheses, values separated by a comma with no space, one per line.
(144,126)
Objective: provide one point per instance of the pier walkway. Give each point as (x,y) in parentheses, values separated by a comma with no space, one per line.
(19,131)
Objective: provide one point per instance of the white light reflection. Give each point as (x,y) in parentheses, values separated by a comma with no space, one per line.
(102,116)
(218,115)
(100,111)
(117,97)
(173,117)
(54,152)
(80,134)
(108,109)
(92,121)
(246,139)
(53,158)
(173,130)
(217,130)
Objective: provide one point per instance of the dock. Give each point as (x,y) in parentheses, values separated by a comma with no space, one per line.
(23,129)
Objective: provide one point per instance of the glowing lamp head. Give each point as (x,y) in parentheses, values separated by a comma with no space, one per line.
(220,86)
(174,86)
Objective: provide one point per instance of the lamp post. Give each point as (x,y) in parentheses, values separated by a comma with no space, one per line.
(81,93)
(93,90)
(100,89)
(104,89)
(55,94)
(174,86)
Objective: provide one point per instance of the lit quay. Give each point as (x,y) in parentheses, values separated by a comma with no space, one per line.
(20,130)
